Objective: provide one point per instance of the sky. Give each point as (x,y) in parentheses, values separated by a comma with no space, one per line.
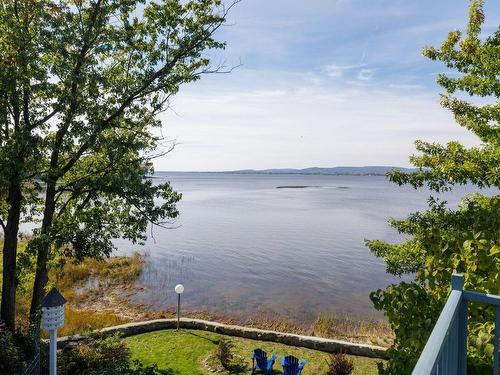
(319,83)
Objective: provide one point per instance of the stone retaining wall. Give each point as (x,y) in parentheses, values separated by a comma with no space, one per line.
(310,342)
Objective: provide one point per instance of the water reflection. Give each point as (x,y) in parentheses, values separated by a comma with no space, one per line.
(244,247)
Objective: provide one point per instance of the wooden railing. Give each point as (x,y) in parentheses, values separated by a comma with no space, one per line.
(446,350)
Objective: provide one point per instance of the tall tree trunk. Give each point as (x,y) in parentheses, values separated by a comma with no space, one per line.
(41,275)
(8,309)
(43,246)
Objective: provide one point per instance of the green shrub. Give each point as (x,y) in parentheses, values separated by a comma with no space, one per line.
(104,356)
(11,359)
(445,239)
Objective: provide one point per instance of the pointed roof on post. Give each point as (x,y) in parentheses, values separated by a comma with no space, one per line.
(53,299)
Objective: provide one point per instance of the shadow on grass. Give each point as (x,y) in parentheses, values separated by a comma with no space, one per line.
(237,369)
(259,372)
(201,336)
(168,371)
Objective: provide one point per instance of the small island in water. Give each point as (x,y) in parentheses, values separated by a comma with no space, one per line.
(295,187)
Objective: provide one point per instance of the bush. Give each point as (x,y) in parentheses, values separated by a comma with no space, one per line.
(222,360)
(340,364)
(445,238)
(11,359)
(104,356)
(224,353)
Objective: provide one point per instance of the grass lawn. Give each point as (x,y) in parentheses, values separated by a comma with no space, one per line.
(184,353)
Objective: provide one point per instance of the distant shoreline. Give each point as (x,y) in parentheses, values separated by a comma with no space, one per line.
(313,171)
(296,174)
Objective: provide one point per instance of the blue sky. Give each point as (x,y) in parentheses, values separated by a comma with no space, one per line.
(322,83)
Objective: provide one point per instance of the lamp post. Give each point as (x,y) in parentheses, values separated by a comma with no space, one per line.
(53,318)
(179,289)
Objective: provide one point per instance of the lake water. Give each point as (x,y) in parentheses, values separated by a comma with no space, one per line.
(242,246)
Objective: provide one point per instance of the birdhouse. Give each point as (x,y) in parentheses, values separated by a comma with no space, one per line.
(53,310)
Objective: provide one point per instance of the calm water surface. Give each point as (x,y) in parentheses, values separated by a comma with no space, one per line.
(244,247)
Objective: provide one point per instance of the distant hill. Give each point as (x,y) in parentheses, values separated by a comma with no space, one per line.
(349,171)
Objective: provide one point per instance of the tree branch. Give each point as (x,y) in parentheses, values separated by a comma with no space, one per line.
(134,96)
(43,120)
(86,44)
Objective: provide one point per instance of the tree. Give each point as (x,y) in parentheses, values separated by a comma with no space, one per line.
(104,70)
(21,112)
(443,240)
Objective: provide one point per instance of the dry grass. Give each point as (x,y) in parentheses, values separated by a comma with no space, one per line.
(83,285)
(120,270)
(345,327)
(95,290)
(85,321)
(330,325)
(277,323)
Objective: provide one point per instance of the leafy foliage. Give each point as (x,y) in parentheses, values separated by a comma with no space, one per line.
(81,86)
(112,73)
(102,356)
(444,240)
(11,358)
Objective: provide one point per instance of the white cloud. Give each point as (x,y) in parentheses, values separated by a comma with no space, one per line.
(405,86)
(365,74)
(305,125)
(336,71)
(306,94)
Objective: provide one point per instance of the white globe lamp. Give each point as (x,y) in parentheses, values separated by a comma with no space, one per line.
(179,289)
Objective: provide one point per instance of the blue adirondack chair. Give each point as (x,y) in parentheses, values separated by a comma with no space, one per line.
(292,366)
(260,361)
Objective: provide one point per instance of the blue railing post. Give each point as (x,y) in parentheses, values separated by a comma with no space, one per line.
(453,345)
(445,352)
(457,283)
